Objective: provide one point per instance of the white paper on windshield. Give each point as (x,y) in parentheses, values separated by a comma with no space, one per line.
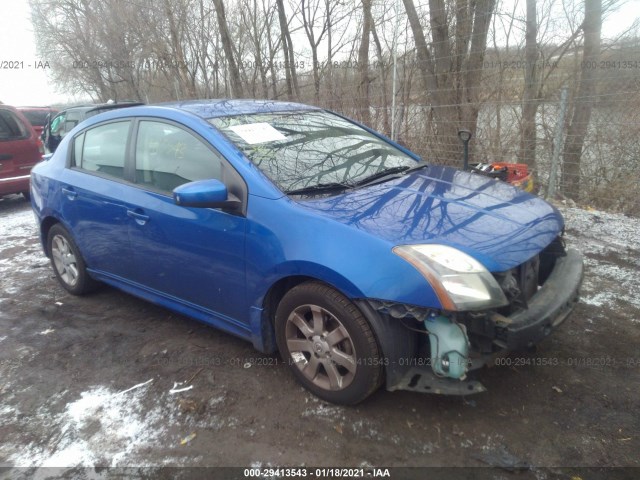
(253,133)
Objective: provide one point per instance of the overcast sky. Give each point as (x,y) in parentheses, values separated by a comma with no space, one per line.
(29,85)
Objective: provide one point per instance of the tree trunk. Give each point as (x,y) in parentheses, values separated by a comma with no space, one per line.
(584,99)
(255,33)
(452,84)
(176,46)
(308,11)
(422,51)
(289,58)
(329,75)
(316,73)
(383,75)
(363,65)
(236,84)
(527,150)
(474,65)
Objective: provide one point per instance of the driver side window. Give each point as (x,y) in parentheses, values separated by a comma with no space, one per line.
(168,156)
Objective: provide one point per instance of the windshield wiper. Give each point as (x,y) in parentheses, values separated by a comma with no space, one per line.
(320,187)
(417,167)
(388,172)
(381,174)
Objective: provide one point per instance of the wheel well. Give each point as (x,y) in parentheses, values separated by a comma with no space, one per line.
(272,299)
(279,290)
(45,226)
(394,340)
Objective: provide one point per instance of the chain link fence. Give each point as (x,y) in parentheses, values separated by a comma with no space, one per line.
(179,55)
(609,166)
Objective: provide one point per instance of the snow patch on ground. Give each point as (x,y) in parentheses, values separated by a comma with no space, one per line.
(614,281)
(21,248)
(16,225)
(597,288)
(101,428)
(603,228)
(24,262)
(324,410)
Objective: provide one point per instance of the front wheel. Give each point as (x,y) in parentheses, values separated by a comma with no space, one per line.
(67,262)
(328,344)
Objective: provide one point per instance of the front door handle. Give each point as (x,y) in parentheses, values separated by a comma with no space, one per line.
(140,218)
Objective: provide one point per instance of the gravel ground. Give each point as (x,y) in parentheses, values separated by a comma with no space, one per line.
(112,381)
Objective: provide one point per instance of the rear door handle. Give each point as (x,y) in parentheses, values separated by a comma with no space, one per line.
(140,218)
(5,156)
(70,193)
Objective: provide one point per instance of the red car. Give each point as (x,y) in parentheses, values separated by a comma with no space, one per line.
(38,116)
(20,149)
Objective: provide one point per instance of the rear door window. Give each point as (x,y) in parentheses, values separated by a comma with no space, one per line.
(102,149)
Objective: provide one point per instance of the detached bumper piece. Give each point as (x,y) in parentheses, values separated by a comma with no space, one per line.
(547,309)
(423,380)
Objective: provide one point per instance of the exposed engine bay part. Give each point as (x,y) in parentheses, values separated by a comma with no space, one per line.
(401,310)
(449,347)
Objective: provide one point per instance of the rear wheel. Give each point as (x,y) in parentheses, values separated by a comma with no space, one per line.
(67,262)
(328,344)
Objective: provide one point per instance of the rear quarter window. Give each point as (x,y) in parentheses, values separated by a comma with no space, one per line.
(11,127)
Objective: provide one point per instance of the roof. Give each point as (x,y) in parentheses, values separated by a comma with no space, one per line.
(223,108)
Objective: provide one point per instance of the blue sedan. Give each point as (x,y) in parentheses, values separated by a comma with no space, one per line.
(308,234)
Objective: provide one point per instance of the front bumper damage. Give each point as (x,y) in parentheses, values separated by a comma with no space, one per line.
(407,365)
(548,308)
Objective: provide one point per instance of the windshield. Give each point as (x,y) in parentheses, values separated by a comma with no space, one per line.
(302,150)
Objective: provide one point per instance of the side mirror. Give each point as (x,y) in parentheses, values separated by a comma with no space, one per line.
(205,194)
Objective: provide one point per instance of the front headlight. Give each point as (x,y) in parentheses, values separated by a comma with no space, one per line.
(460,281)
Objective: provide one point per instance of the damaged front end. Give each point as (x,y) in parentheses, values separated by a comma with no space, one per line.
(433,350)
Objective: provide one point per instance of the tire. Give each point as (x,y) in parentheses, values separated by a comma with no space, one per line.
(27,195)
(328,344)
(67,262)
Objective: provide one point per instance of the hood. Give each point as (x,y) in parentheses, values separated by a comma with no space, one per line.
(498,224)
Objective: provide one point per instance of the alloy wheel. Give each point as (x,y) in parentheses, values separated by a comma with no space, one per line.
(64,260)
(321,347)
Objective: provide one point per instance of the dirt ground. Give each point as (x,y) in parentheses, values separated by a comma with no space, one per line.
(91,381)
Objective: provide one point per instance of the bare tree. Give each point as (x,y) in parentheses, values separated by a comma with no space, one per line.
(529,104)
(363,64)
(287,50)
(311,17)
(236,84)
(179,62)
(452,69)
(382,65)
(255,26)
(585,97)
